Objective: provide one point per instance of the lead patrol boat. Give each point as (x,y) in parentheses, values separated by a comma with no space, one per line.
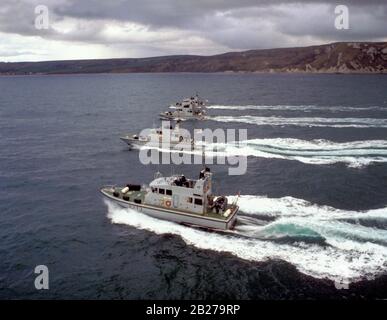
(178,199)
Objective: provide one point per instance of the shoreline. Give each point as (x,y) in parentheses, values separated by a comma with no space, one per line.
(198,72)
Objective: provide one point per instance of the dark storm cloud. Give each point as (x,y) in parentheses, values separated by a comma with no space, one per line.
(16,17)
(231,24)
(179,13)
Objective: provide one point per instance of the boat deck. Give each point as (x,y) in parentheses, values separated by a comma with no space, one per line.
(137,198)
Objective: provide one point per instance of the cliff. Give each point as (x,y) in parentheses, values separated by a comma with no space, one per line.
(351,57)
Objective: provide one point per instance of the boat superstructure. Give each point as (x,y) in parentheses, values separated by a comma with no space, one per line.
(192,108)
(166,136)
(178,199)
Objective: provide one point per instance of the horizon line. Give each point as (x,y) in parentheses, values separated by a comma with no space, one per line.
(193,55)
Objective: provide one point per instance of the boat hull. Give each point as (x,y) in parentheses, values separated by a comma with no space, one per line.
(181,117)
(134,143)
(176,216)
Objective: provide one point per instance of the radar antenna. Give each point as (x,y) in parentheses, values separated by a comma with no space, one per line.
(158,174)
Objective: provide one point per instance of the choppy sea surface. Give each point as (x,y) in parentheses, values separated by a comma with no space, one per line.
(313,201)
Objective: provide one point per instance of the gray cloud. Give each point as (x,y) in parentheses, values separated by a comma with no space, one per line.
(197,26)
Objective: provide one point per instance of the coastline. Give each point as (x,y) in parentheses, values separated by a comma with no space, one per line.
(299,72)
(334,58)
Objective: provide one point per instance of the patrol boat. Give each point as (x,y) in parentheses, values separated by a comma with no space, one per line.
(165,137)
(192,108)
(178,199)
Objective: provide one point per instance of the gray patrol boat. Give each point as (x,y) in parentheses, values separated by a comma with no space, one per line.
(177,199)
(192,108)
(165,137)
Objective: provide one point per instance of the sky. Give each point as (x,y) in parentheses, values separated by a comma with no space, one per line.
(93,29)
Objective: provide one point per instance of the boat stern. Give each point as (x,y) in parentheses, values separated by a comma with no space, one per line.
(232,218)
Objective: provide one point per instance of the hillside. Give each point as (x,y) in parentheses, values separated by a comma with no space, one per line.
(354,57)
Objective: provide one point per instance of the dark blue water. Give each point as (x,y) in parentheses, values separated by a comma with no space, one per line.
(313,199)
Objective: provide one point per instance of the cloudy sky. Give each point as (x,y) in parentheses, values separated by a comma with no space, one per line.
(80,29)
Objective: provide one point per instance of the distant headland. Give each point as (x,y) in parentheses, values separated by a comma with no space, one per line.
(341,57)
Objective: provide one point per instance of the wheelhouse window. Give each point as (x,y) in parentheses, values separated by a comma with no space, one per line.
(189,199)
(154,190)
(198,202)
(168,192)
(161,191)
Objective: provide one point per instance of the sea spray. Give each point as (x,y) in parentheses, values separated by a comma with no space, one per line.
(305,121)
(306,108)
(355,154)
(343,259)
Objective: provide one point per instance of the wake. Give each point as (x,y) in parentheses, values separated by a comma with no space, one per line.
(306,108)
(318,151)
(355,154)
(345,252)
(305,121)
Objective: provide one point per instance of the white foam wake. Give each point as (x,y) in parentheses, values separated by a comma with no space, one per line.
(293,207)
(354,154)
(305,121)
(351,253)
(306,108)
